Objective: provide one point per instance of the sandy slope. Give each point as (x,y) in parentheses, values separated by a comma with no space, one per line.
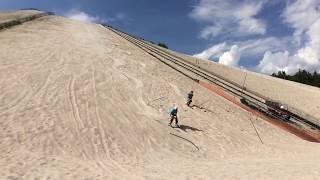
(79,102)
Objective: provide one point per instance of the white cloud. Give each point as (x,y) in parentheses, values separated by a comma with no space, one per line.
(304,17)
(85,17)
(252,26)
(254,47)
(118,17)
(230,58)
(283,61)
(302,14)
(211,31)
(213,52)
(273,62)
(236,18)
(301,50)
(82,16)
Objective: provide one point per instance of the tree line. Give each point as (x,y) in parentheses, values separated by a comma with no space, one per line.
(163,45)
(302,76)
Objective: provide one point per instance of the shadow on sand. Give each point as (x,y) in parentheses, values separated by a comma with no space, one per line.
(186,127)
(200,107)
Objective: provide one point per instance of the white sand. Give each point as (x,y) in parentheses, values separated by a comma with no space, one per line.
(79,102)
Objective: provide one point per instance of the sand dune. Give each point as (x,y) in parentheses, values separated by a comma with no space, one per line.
(79,102)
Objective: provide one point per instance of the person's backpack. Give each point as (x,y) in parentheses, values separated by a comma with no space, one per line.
(172,111)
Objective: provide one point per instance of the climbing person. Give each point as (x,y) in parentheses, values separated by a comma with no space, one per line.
(174,115)
(189,98)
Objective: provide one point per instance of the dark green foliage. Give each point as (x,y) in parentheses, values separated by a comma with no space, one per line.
(163,45)
(35,9)
(302,76)
(281,74)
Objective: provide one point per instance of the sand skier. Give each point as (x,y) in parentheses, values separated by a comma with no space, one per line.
(174,115)
(189,98)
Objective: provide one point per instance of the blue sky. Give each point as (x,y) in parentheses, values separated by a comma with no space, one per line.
(259,35)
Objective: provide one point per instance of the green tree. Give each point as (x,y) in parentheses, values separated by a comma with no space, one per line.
(163,45)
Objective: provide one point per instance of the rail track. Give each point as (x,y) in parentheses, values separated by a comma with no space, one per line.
(251,100)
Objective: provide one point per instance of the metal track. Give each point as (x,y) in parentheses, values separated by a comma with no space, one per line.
(254,101)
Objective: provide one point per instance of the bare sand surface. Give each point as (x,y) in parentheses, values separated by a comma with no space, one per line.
(79,102)
(12,15)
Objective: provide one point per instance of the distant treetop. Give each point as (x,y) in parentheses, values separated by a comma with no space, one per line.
(35,9)
(163,45)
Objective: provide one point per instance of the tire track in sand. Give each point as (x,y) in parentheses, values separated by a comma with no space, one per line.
(74,109)
(101,133)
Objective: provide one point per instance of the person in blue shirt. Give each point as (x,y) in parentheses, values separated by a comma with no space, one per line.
(174,116)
